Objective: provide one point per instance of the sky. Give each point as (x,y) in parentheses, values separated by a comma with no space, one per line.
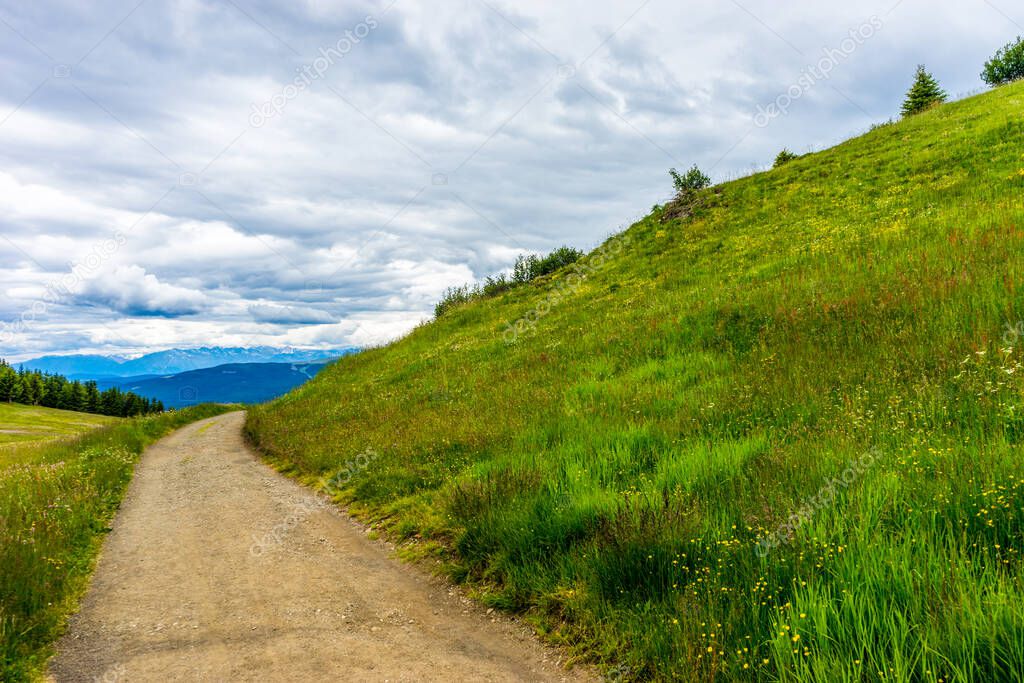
(315,173)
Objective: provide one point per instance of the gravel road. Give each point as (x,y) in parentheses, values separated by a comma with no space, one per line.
(220,569)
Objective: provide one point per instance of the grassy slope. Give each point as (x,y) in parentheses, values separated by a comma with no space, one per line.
(55,504)
(25,424)
(613,470)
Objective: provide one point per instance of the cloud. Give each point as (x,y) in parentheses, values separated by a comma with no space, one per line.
(290,315)
(132,291)
(450,138)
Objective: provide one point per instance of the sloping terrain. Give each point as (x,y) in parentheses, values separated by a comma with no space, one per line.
(775,435)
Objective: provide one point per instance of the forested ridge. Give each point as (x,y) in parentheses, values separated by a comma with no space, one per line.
(34,388)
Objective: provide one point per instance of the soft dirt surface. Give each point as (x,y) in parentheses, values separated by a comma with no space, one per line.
(219,569)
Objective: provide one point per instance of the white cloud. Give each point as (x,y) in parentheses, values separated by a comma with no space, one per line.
(132,291)
(289,315)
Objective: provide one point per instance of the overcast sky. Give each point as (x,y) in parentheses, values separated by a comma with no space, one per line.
(180,173)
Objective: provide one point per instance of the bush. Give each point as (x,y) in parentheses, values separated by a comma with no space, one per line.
(494,286)
(454,297)
(556,260)
(529,268)
(687,199)
(693,180)
(526,269)
(784,157)
(924,94)
(1006,65)
(522,271)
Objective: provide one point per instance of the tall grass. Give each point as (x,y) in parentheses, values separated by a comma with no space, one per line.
(615,472)
(56,502)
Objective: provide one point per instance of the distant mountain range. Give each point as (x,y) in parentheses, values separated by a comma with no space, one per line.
(174,361)
(230,383)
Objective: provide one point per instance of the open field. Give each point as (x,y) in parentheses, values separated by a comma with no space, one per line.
(25,424)
(778,439)
(56,499)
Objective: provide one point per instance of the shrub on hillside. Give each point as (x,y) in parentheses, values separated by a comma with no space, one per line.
(687,197)
(454,297)
(493,286)
(1006,65)
(527,269)
(690,182)
(784,157)
(924,94)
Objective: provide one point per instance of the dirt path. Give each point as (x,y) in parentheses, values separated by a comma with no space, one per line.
(219,569)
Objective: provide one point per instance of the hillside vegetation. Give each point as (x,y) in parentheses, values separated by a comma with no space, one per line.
(772,436)
(56,500)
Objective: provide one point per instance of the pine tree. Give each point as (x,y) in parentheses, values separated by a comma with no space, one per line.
(18,391)
(92,398)
(924,94)
(111,402)
(7,379)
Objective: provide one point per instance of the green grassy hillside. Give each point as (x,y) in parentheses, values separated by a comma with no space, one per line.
(778,439)
(25,424)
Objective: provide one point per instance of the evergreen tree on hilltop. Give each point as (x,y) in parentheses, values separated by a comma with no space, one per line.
(924,94)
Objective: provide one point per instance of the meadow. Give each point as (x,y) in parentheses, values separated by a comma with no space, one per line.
(775,437)
(57,498)
(27,424)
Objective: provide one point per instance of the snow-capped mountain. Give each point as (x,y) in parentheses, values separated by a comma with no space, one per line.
(174,361)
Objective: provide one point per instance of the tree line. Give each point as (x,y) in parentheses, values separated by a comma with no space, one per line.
(34,388)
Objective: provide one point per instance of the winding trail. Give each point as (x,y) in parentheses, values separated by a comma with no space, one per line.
(220,569)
